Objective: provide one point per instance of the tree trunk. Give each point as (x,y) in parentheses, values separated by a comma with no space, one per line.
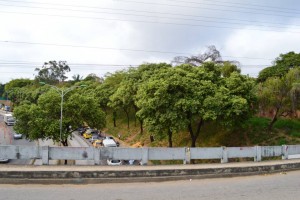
(274,119)
(141,127)
(195,135)
(135,110)
(170,138)
(114,118)
(127,115)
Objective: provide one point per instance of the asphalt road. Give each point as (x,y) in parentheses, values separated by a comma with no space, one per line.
(276,187)
(6,138)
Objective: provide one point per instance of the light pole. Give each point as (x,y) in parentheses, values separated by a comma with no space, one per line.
(62,93)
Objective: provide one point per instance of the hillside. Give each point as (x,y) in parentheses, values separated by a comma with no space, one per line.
(252,132)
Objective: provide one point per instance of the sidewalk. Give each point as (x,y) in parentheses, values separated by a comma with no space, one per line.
(61,174)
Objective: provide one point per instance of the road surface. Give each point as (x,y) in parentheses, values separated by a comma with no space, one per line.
(6,138)
(276,187)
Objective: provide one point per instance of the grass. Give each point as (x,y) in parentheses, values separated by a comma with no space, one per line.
(250,133)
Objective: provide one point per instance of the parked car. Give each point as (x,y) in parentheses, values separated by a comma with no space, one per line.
(114,162)
(4,160)
(93,138)
(81,130)
(18,135)
(109,142)
(87,135)
(112,138)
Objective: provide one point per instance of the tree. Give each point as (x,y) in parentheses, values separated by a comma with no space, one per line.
(188,97)
(104,91)
(41,120)
(93,77)
(279,94)
(53,72)
(211,55)
(281,66)
(125,96)
(157,98)
(17,83)
(77,78)
(229,68)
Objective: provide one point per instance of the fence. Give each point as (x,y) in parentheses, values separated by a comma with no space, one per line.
(47,153)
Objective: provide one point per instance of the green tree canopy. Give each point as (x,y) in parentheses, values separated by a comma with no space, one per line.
(41,120)
(53,72)
(281,66)
(187,97)
(280,94)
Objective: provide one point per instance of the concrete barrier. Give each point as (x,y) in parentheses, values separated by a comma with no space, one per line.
(145,154)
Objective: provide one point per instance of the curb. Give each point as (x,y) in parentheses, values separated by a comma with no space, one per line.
(98,176)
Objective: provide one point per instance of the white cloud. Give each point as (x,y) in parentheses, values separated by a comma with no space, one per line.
(260,44)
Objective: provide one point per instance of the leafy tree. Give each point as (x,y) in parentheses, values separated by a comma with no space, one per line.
(2,89)
(157,98)
(77,78)
(279,94)
(281,66)
(53,72)
(125,96)
(17,83)
(106,89)
(188,97)
(42,120)
(93,77)
(229,68)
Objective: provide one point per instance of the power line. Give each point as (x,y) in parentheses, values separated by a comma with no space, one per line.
(163,4)
(118,49)
(193,7)
(176,18)
(142,11)
(255,5)
(243,6)
(151,22)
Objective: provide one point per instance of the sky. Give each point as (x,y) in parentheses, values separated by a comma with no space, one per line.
(102,36)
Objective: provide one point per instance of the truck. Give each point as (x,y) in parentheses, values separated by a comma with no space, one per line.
(9,119)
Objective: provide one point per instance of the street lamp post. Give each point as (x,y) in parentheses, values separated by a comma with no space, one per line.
(62,93)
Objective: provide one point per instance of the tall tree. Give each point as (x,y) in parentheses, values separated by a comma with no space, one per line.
(42,120)
(53,72)
(281,66)
(278,94)
(188,97)
(77,78)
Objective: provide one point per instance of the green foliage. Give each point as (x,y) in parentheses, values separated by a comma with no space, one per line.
(280,94)
(41,120)
(228,68)
(257,122)
(281,67)
(52,72)
(17,83)
(288,124)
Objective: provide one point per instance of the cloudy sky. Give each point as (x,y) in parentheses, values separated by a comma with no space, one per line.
(100,36)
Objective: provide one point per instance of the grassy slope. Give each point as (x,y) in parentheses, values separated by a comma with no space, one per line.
(253,132)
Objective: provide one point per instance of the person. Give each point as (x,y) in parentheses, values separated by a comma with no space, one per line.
(119,135)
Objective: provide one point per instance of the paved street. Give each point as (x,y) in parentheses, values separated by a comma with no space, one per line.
(6,138)
(277,187)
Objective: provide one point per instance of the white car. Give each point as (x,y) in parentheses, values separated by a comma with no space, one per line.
(114,162)
(18,135)
(3,160)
